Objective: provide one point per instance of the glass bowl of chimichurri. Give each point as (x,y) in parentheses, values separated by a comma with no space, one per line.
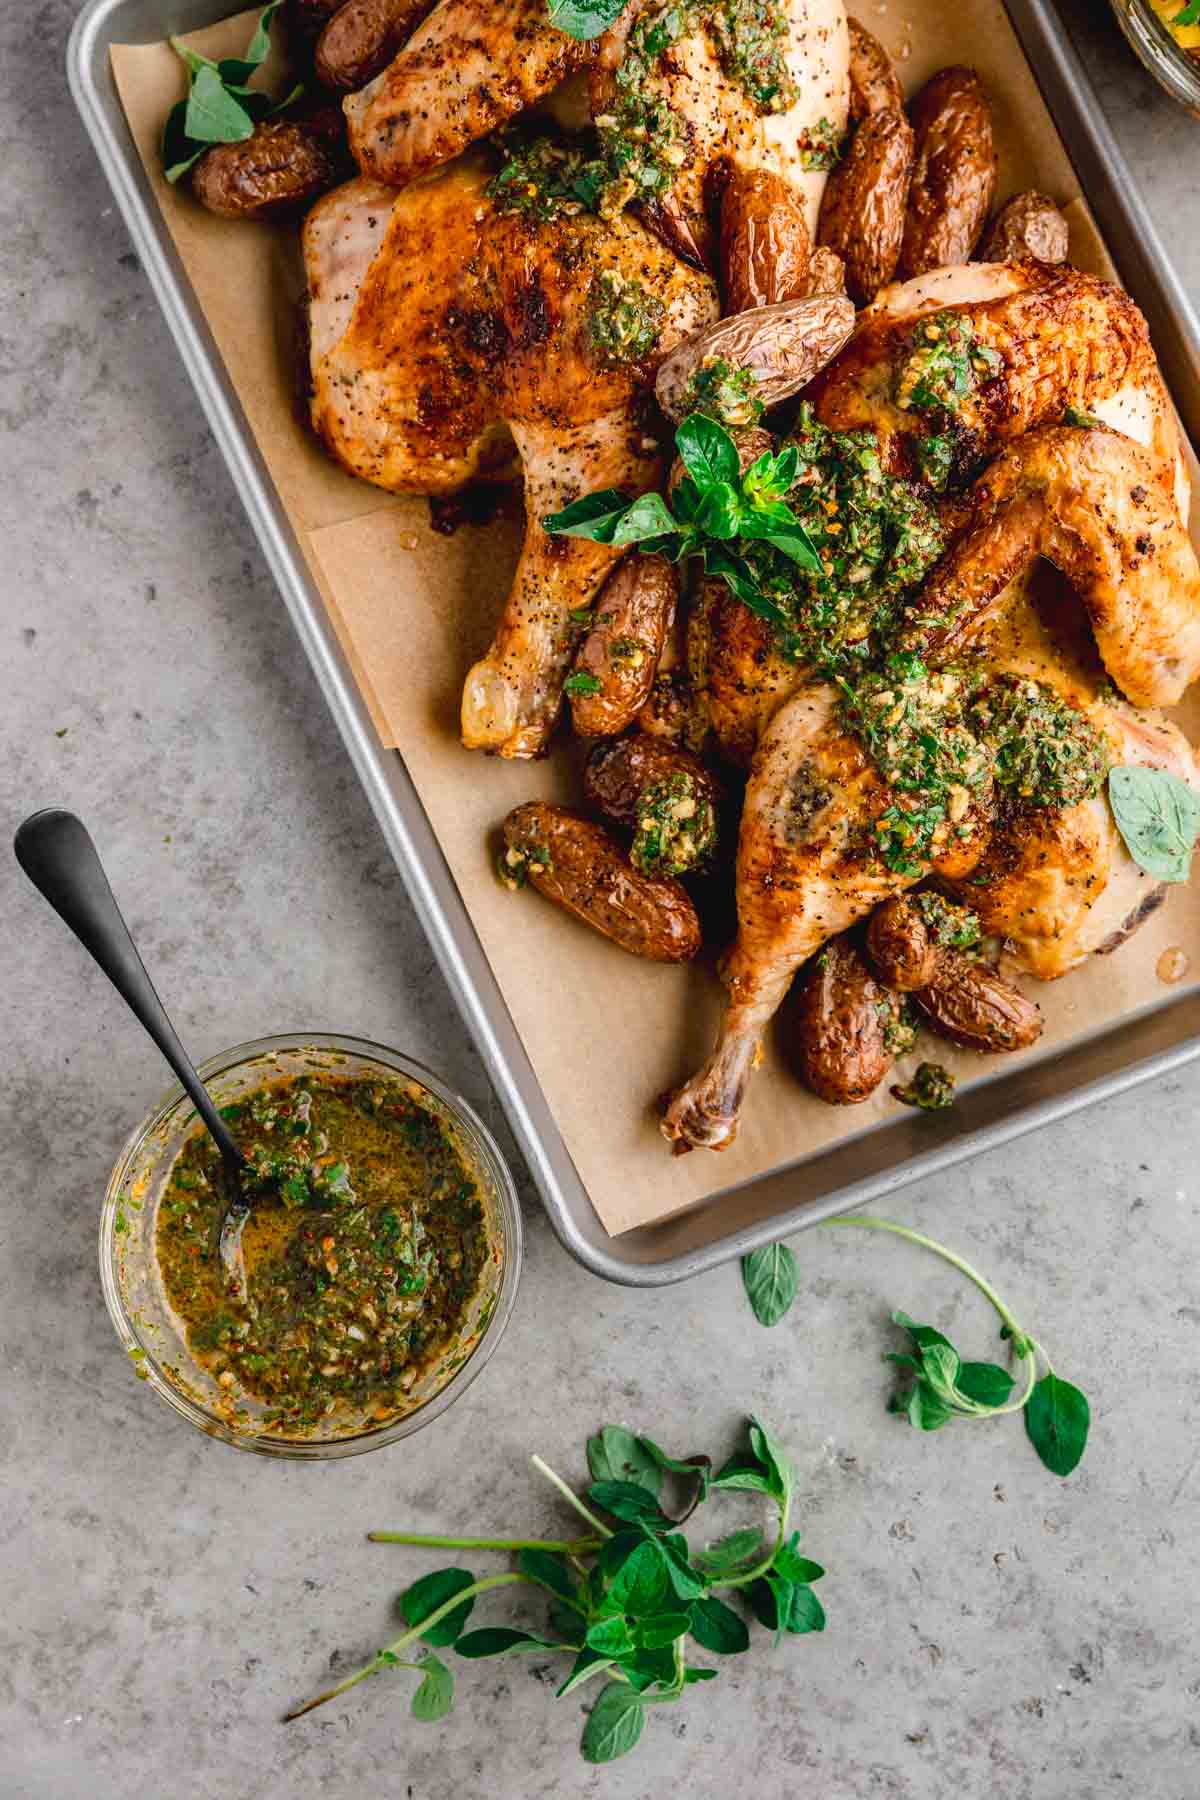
(381,1249)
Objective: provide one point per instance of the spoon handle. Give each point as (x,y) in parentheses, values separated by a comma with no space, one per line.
(56,852)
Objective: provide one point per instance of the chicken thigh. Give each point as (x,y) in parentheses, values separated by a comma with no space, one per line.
(445,331)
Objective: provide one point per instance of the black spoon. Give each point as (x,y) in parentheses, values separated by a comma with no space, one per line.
(55,851)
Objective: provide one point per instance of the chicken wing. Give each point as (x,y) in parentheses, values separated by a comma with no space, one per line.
(1088,501)
(1049,338)
(444,332)
(472,65)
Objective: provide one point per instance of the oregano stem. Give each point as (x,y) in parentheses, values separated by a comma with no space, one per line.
(760,1568)
(864,1222)
(383,1658)
(572,1499)
(562,1546)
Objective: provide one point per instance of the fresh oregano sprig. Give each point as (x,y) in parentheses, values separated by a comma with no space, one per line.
(626,1599)
(221,107)
(938,1384)
(731,520)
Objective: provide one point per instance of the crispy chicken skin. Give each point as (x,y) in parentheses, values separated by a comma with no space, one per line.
(442,333)
(806,870)
(742,677)
(472,65)
(1087,501)
(1059,885)
(1066,339)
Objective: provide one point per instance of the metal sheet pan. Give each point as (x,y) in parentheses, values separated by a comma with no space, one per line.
(866,1167)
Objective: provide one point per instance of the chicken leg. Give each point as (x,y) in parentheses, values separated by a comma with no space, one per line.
(807,867)
(444,331)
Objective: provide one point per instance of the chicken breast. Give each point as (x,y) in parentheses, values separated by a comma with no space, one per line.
(449,339)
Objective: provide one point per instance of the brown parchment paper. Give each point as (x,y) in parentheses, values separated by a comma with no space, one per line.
(606,1034)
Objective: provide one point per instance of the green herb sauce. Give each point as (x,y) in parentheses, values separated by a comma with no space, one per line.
(941,741)
(820,145)
(725,393)
(624,320)
(547,178)
(899,1025)
(945,364)
(913,726)
(363,1247)
(876,534)
(952,926)
(751,38)
(676,827)
(931,1088)
(1044,753)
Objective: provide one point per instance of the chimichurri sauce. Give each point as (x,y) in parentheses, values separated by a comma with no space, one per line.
(363,1248)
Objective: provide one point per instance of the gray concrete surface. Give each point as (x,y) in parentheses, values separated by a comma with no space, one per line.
(992,1631)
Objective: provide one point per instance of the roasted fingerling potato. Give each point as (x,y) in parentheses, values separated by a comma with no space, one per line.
(953,173)
(863,207)
(850,1026)
(874,84)
(668,708)
(900,946)
(782,346)
(579,866)
(306,20)
(907,934)
(826,272)
(617,661)
(278,171)
(1027,225)
(976,1008)
(765,241)
(663,794)
(362,37)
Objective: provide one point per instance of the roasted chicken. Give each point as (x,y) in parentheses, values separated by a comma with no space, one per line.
(470,66)
(1056,882)
(444,334)
(1061,339)
(1089,502)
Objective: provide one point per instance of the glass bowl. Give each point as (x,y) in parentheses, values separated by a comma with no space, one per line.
(153,1336)
(1159,51)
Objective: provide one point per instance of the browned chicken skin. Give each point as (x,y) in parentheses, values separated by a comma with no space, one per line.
(807,868)
(1089,502)
(443,332)
(1065,339)
(472,65)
